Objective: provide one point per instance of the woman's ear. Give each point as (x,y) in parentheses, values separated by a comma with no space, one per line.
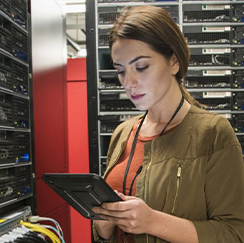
(175,66)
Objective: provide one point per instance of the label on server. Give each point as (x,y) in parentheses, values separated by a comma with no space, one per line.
(216,72)
(216,29)
(215,7)
(123,96)
(216,94)
(216,51)
(227,116)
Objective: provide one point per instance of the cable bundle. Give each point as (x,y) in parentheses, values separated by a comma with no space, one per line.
(45,229)
(22,234)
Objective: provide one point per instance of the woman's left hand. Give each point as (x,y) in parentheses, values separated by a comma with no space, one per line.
(132,214)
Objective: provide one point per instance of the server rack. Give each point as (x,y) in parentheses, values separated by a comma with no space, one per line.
(215,34)
(16,160)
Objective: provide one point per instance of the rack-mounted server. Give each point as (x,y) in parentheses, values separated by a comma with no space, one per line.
(217,56)
(13,39)
(16,10)
(107,15)
(116,102)
(201,35)
(198,13)
(15,183)
(108,123)
(109,82)
(14,147)
(13,75)
(214,78)
(14,111)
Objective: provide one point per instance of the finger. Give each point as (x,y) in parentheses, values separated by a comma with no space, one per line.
(116,206)
(122,196)
(106,212)
(126,215)
(100,210)
(127,198)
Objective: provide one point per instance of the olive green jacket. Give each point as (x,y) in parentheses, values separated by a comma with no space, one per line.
(195,172)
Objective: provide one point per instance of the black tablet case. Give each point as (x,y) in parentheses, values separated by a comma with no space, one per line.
(81,191)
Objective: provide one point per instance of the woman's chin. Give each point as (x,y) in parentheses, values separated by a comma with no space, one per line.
(141,107)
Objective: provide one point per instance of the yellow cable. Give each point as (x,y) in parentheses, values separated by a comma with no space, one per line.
(42,230)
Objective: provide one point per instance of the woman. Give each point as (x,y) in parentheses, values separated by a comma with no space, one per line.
(178,168)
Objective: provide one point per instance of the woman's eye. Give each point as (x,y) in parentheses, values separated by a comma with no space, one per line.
(121,72)
(142,68)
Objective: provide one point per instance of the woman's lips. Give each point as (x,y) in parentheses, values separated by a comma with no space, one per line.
(137,97)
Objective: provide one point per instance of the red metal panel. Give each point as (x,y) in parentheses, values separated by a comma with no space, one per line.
(78,140)
(80,228)
(49,104)
(76,69)
(47,199)
(61,215)
(78,151)
(77,127)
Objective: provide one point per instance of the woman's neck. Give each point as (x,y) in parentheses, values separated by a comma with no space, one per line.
(156,120)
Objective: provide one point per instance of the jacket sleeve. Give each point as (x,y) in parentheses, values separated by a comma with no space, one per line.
(224,189)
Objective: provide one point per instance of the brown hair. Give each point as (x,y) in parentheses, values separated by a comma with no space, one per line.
(154,26)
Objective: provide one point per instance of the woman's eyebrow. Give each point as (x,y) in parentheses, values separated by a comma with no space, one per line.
(116,64)
(132,61)
(137,58)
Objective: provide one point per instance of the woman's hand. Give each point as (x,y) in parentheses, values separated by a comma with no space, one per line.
(104,228)
(132,215)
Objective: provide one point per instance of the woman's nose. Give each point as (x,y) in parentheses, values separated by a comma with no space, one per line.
(130,81)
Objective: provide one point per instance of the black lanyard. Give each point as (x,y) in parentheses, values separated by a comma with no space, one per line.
(134,145)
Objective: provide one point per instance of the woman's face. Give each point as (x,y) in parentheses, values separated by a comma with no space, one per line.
(147,77)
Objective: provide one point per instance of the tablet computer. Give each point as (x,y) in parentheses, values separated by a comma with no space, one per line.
(81,191)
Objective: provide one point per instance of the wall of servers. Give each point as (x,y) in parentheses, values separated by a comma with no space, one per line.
(215,33)
(15,134)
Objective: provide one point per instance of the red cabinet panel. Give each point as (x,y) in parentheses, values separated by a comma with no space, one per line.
(78,151)
(77,128)
(47,199)
(62,216)
(76,69)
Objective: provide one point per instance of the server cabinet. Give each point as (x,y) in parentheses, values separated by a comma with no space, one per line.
(214,32)
(16,148)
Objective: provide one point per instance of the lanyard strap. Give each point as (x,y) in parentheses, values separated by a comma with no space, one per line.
(132,151)
(173,116)
(136,136)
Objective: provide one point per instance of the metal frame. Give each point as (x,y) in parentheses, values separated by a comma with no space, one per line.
(92,86)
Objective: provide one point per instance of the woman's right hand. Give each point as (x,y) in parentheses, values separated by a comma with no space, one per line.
(104,228)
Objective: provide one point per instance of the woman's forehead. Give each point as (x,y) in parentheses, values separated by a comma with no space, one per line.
(127,48)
